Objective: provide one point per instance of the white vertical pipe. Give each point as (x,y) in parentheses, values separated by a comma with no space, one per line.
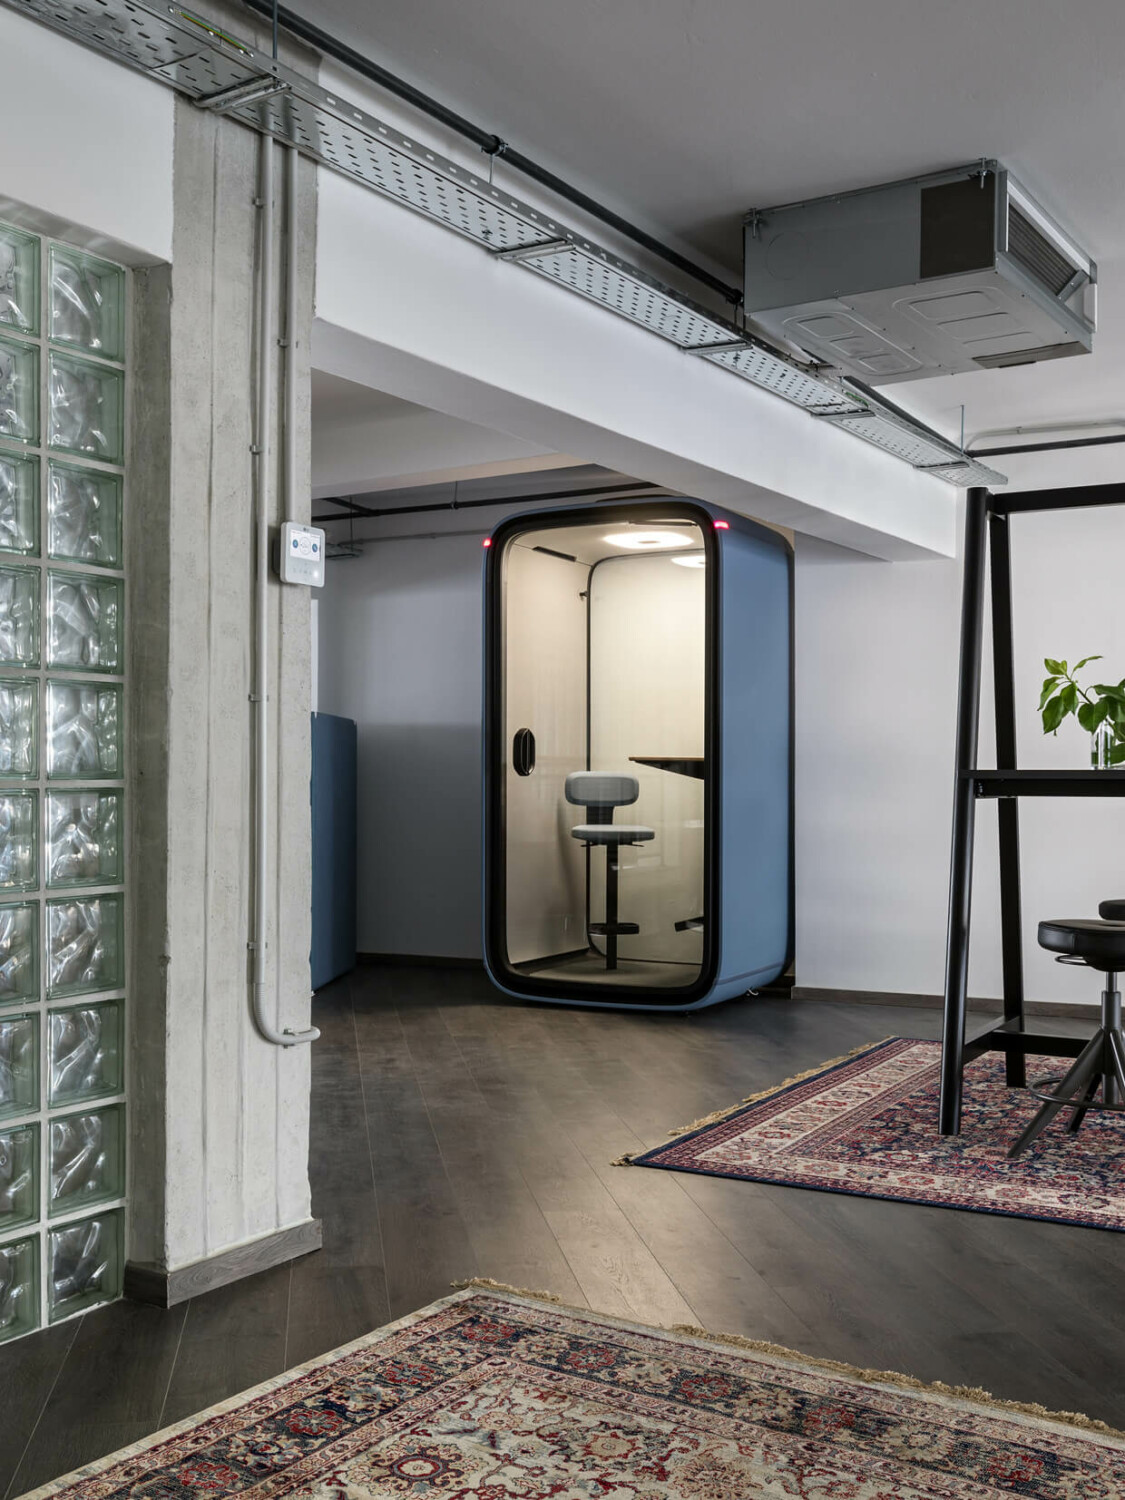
(289,495)
(267,338)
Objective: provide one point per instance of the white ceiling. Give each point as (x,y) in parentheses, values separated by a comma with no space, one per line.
(683,114)
(335,400)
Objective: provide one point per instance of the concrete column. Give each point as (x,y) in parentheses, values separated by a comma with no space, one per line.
(219,1174)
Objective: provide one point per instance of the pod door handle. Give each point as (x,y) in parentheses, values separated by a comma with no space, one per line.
(523,752)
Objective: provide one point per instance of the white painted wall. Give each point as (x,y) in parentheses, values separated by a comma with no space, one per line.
(88,144)
(876,671)
(400,652)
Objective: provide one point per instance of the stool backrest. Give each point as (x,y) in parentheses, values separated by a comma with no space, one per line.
(601,789)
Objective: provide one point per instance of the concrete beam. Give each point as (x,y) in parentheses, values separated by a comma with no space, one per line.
(410,445)
(408,308)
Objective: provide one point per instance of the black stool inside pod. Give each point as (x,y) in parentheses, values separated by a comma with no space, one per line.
(1100,1067)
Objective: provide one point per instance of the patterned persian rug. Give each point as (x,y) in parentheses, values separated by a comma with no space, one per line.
(491,1395)
(867,1124)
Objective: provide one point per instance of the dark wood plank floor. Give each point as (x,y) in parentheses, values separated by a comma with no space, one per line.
(455,1133)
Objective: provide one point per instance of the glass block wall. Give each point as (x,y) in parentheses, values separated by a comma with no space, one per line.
(62,954)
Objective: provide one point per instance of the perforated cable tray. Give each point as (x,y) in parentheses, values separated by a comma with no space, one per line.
(215,70)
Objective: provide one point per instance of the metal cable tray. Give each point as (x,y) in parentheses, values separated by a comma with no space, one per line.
(218,72)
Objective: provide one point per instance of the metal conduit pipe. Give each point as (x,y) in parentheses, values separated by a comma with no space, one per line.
(490,143)
(262,464)
(292,229)
(1094,442)
(1038,430)
(642,490)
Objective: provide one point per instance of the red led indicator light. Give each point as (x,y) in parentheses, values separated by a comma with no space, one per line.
(722,525)
(487,542)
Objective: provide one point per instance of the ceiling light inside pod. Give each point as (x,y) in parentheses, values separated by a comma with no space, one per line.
(646,541)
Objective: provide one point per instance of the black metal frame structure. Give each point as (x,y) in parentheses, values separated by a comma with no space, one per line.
(987,521)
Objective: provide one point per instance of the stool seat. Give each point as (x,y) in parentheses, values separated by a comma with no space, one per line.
(1100,1066)
(1101,944)
(616,833)
(1112,911)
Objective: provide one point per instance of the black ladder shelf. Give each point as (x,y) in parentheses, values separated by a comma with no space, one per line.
(986,538)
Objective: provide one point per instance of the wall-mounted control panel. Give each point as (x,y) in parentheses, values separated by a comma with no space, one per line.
(300,555)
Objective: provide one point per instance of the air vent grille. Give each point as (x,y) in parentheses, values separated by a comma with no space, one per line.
(1035,253)
(1027,356)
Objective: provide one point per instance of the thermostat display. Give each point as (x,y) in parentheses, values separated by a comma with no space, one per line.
(301,555)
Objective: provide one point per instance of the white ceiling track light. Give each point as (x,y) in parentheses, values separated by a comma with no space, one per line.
(201,60)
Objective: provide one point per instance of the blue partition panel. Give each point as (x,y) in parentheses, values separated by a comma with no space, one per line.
(333,847)
(755,712)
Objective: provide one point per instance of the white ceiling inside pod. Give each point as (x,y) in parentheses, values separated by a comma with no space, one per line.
(682,114)
(597,539)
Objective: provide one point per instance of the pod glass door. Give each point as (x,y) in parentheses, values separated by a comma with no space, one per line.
(601,725)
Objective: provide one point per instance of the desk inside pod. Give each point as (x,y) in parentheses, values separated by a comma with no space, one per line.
(637,754)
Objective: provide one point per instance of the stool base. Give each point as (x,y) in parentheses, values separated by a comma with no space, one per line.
(1100,1066)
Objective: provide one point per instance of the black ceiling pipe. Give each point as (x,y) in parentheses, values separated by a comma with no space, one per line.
(355,509)
(491,144)
(1095,442)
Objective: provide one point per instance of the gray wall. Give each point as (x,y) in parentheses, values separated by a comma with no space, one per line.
(876,688)
(399,652)
(220,1146)
(876,674)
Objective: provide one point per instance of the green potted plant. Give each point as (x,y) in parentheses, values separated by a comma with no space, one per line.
(1099,709)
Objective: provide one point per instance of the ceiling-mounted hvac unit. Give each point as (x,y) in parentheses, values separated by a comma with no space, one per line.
(960,270)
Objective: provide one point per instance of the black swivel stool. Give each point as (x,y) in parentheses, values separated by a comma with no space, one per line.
(600,792)
(1101,1065)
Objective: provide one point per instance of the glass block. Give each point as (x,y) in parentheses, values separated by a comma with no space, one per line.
(19,726)
(19,279)
(87,1159)
(84,838)
(83,621)
(84,947)
(19,841)
(84,1263)
(19,952)
(85,1052)
(19,1065)
(87,408)
(87,302)
(19,1176)
(19,503)
(84,515)
(19,390)
(19,617)
(83,729)
(19,1288)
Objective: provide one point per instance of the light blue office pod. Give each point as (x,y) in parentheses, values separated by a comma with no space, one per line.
(637,755)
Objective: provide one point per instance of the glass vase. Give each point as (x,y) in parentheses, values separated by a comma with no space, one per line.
(1103,741)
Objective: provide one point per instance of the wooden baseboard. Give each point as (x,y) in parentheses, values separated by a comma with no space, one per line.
(418,961)
(1080,1012)
(146,1283)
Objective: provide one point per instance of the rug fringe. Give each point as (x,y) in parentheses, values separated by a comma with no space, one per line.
(486,1284)
(975,1394)
(972,1393)
(775,1088)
